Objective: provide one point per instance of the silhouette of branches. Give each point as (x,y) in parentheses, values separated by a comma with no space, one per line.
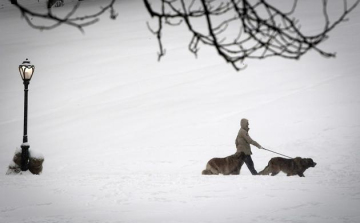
(69,19)
(237,29)
(242,29)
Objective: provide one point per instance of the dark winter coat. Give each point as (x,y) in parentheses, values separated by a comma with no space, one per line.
(243,140)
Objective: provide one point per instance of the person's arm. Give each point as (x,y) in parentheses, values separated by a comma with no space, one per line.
(250,140)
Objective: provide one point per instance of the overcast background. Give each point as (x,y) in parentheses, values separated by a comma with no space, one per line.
(125,137)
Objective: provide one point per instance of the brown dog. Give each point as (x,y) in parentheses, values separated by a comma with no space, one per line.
(291,167)
(228,165)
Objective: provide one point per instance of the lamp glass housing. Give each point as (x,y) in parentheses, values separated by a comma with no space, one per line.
(26,70)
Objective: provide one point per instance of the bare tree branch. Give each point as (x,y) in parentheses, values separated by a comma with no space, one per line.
(70,19)
(236,29)
(262,29)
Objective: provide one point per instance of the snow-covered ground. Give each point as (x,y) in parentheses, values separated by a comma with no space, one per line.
(125,138)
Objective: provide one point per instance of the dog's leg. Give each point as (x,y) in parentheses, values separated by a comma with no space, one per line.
(214,171)
(274,169)
(274,174)
(301,174)
(236,172)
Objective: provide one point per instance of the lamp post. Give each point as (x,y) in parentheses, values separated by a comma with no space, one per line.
(26,73)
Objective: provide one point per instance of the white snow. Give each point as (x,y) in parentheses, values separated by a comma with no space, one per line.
(36,154)
(125,138)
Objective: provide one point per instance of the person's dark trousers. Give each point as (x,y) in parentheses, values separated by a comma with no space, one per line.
(250,164)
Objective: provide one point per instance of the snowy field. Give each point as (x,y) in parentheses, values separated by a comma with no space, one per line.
(125,138)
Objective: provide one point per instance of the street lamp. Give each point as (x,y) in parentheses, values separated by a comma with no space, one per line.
(26,73)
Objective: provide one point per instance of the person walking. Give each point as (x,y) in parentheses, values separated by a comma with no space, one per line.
(243,141)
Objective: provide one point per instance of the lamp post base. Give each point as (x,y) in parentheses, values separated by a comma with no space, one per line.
(25,156)
(35,163)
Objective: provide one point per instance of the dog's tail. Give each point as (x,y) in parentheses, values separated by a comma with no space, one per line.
(265,171)
(206,172)
(209,170)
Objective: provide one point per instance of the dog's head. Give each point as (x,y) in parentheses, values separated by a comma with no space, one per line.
(308,162)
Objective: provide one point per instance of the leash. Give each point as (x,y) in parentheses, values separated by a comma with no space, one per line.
(278,153)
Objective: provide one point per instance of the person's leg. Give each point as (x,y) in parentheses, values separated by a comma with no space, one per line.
(250,164)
